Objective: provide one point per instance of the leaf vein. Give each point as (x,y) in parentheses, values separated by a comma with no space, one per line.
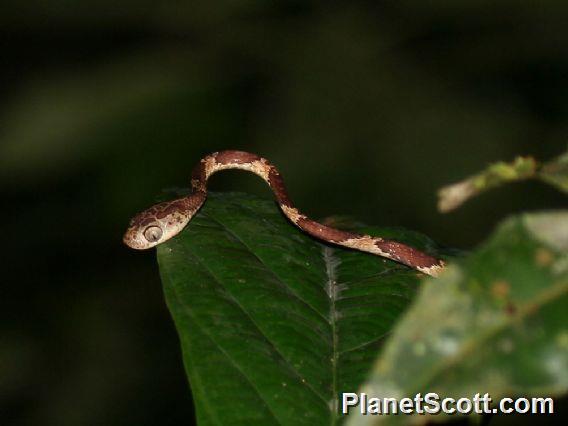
(291,368)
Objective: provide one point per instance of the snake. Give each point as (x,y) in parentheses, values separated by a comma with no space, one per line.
(165,220)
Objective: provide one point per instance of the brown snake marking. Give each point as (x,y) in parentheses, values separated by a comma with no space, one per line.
(162,221)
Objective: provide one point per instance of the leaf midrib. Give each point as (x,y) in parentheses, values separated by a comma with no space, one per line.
(331,263)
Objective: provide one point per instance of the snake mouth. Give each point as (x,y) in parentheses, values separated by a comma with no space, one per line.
(131,239)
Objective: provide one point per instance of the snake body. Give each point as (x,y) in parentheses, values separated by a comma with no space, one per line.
(163,221)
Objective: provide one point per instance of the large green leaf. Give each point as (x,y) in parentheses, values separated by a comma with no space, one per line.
(274,324)
(493,323)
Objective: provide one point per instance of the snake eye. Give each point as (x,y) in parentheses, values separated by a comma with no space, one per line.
(153,233)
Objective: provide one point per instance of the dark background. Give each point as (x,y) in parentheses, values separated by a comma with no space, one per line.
(367,107)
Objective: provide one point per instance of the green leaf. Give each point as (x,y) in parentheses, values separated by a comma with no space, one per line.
(494,323)
(273,324)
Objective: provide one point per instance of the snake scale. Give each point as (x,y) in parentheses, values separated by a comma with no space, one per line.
(163,221)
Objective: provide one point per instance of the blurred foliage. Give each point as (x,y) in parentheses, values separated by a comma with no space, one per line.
(367,107)
(492,323)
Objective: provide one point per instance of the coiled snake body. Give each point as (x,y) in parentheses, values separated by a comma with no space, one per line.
(162,221)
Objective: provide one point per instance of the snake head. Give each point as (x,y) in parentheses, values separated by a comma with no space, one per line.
(158,224)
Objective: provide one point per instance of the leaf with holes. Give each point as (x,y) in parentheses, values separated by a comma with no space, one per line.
(493,323)
(274,324)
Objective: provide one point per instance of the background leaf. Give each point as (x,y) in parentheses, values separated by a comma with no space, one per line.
(274,324)
(493,323)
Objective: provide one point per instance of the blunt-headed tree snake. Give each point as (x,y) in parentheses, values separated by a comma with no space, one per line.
(163,221)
